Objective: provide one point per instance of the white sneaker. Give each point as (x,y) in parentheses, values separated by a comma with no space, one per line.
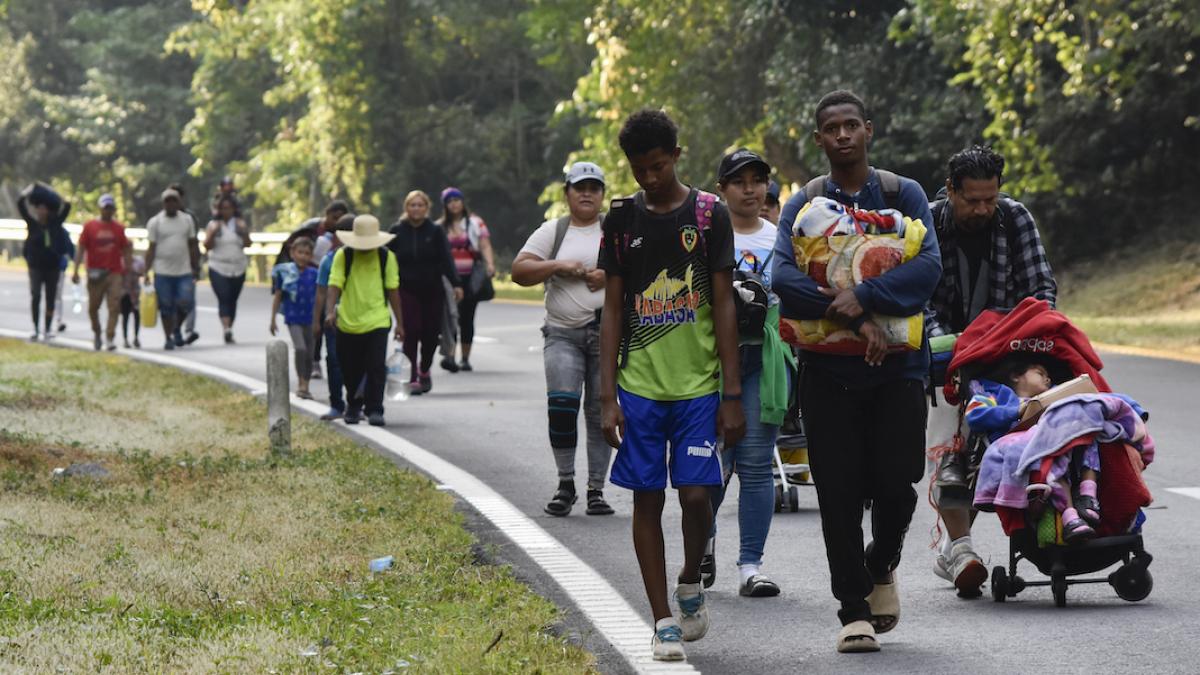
(941,567)
(693,612)
(967,569)
(667,643)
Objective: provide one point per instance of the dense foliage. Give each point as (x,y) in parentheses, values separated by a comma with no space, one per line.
(1092,101)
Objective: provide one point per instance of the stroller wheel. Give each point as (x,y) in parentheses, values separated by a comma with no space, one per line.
(1058,586)
(999,584)
(793,497)
(778,499)
(1132,582)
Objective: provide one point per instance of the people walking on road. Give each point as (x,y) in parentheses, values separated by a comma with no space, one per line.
(423,253)
(295,285)
(668,329)
(992,258)
(471,246)
(131,299)
(364,282)
(864,416)
(743,177)
(562,254)
(770,208)
(226,238)
(337,399)
(107,250)
(46,243)
(174,258)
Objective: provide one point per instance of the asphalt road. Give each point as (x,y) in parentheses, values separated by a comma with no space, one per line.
(492,423)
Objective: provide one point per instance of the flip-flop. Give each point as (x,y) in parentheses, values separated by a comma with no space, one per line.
(758,586)
(857,637)
(885,607)
(561,503)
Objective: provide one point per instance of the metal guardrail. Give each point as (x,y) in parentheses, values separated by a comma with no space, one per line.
(261,243)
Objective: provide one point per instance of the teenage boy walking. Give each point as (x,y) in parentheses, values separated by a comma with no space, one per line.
(865,417)
(668,346)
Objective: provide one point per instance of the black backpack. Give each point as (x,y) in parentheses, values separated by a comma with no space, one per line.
(349,256)
(751,312)
(889,181)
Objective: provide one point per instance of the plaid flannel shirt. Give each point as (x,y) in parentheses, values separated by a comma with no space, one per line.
(1015,275)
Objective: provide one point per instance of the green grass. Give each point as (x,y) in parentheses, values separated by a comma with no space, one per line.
(203,553)
(1142,297)
(507,289)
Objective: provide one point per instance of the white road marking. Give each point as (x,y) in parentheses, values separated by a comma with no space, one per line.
(484,340)
(1193,492)
(612,616)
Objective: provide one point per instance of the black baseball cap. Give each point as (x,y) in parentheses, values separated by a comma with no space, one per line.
(738,160)
(773,192)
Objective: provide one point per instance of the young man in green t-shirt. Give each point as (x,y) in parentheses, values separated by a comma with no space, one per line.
(668,342)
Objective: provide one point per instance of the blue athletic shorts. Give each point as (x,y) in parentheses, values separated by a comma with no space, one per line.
(659,435)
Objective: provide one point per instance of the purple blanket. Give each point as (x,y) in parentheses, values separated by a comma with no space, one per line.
(1007,463)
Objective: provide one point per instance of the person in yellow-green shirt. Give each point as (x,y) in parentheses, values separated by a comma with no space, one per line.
(366,279)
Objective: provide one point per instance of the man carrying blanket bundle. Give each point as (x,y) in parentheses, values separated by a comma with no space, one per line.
(864,413)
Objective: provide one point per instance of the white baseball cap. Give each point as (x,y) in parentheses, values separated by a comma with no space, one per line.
(581,171)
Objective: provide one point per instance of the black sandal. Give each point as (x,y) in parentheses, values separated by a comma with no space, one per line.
(596,506)
(758,586)
(561,503)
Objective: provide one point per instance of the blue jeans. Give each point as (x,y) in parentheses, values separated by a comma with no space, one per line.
(333,370)
(751,459)
(174,295)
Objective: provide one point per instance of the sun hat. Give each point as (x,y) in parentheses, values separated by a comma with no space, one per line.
(366,235)
(452,193)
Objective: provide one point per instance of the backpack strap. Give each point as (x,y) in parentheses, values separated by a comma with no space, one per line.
(890,183)
(815,188)
(383,251)
(560,233)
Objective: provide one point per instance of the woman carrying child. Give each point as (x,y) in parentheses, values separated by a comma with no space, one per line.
(295,285)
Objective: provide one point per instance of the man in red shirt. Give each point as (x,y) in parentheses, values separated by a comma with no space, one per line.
(108,256)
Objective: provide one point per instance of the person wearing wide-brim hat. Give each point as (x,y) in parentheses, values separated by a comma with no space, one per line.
(366,279)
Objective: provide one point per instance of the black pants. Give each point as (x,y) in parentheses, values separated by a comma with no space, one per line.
(40,279)
(364,356)
(422,310)
(227,290)
(863,444)
(130,308)
(466,316)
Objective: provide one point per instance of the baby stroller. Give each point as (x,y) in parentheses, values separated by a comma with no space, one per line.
(791,467)
(1035,331)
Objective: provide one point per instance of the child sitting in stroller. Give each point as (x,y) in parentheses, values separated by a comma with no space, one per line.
(997,406)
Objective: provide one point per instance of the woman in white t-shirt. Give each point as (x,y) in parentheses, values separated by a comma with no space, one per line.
(562,254)
(226,239)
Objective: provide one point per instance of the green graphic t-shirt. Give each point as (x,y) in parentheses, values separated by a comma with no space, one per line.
(669,346)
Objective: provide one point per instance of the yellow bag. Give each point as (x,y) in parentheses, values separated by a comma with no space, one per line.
(842,261)
(149,308)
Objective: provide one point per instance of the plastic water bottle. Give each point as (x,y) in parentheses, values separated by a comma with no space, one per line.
(77,296)
(381,564)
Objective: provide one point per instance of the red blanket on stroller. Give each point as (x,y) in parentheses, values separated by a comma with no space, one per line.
(1032,327)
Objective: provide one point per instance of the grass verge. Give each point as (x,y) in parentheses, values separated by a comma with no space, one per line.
(201,552)
(1146,298)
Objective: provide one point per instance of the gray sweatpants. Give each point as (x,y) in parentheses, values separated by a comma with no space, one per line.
(304,342)
(572,359)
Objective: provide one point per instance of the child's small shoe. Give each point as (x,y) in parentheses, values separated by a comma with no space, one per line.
(1038,496)
(1075,529)
(1088,508)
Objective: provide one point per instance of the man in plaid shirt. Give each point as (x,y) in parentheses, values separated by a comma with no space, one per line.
(992,258)
(992,255)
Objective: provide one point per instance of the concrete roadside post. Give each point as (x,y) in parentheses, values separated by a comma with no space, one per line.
(279,408)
